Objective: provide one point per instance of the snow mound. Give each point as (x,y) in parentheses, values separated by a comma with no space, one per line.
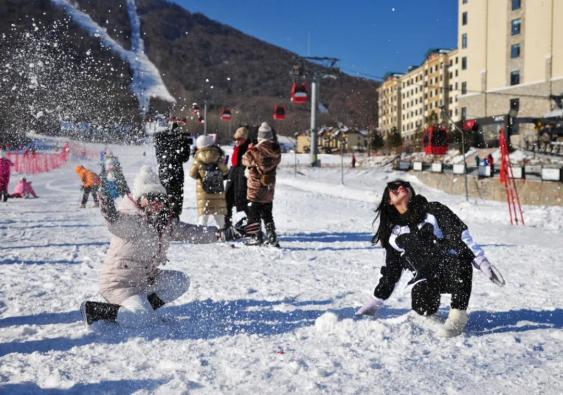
(326,322)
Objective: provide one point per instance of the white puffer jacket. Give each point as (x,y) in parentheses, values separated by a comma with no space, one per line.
(137,248)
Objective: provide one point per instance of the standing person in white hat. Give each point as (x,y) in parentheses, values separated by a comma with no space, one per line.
(209,170)
(261,162)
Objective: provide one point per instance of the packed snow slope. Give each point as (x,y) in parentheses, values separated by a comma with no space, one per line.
(261,320)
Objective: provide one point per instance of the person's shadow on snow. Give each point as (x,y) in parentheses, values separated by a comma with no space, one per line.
(208,319)
(102,387)
(200,319)
(489,322)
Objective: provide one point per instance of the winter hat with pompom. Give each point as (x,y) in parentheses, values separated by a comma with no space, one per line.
(265,132)
(204,141)
(147,182)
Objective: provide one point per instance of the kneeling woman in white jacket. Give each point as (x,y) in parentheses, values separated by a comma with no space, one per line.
(130,280)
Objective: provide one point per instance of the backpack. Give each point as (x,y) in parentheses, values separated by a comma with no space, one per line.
(212,180)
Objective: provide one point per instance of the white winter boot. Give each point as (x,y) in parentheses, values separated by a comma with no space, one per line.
(135,311)
(455,324)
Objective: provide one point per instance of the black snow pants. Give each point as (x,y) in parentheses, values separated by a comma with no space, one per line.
(172,179)
(257,212)
(87,190)
(455,279)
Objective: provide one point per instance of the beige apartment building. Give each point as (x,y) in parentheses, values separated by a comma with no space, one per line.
(453,85)
(511,52)
(421,92)
(436,83)
(389,104)
(412,103)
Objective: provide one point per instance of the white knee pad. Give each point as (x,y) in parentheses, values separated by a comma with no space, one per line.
(135,311)
(171,284)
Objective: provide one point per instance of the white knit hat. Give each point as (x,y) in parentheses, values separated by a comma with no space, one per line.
(265,132)
(147,182)
(204,141)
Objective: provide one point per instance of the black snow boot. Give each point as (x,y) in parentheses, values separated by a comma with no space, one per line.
(271,237)
(254,231)
(155,301)
(96,311)
(256,239)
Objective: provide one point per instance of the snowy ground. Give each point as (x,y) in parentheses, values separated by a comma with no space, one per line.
(261,320)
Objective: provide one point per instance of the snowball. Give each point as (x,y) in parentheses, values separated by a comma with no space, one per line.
(326,322)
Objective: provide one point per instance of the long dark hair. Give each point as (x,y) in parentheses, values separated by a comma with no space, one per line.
(388,214)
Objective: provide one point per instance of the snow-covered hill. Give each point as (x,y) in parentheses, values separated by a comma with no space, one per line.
(147,82)
(275,321)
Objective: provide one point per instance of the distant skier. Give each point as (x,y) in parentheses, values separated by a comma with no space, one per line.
(5,171)
(236,181)
(113,174)
(428,239)
(130,280)
(173,148)
(23,189)
(261,162)
(209,170)
(90,184)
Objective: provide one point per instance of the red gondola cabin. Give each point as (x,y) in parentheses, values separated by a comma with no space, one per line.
(435,141)
(299,93)
(279,112)
(226,115)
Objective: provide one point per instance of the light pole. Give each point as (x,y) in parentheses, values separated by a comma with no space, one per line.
(329,63)
(446,116)
(314,108)
(206,96)
(341,140)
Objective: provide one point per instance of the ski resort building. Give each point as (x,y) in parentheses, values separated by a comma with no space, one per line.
(511,55)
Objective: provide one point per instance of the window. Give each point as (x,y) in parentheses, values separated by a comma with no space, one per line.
(515,77)
(516,4)
(516,25)
(464,18)
(463,88)
(464,63)
(463,112)
(515,51)
(464,40)
(464,1)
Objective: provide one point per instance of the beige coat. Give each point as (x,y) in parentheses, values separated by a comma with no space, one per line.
(263,158)
(137,249)
(208,203)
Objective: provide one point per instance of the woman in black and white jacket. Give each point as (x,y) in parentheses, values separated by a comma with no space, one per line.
(428,239)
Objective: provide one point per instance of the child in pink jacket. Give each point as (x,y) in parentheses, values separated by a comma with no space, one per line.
(5,164)
(23,190)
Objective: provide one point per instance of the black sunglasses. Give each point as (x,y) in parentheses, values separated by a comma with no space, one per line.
(155,197)
(394,185)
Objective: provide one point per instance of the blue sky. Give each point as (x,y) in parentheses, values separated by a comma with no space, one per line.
(371,37)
